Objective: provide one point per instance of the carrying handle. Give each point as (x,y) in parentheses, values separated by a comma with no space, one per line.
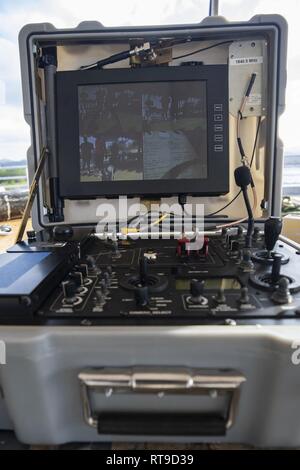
(155,381)
(161,424)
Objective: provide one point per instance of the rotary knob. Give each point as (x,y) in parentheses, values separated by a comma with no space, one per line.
(282,294)
(69,291)
(77,278)
(83,269)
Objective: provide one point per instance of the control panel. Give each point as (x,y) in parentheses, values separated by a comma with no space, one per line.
(163,281)
(141,281)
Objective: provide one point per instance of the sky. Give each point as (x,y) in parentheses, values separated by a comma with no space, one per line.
(14,132)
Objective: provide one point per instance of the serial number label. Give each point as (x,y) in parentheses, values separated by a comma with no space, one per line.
(246,60)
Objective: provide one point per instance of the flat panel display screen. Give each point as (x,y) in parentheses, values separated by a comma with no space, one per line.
(148,131)
(143,131)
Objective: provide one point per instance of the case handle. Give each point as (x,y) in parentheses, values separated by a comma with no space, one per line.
(160,381)
(161,424)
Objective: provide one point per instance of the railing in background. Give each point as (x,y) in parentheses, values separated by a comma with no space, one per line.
(13,191)
(14,188)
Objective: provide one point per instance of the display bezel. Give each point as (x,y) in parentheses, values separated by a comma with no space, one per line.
(67,83)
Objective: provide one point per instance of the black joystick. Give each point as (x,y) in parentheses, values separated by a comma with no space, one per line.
(196,290)
(272,231)
(273,227)
(143,271)
(62,233)
(141,295)
(276,267)
(154,282)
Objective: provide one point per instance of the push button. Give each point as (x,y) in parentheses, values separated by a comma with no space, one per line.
(218,117)
(218,107)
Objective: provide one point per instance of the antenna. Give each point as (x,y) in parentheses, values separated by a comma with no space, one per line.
(213,7)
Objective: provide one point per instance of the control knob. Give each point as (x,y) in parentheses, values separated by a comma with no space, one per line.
(141,294)
(282,293)
(92,265)
(256,234)
(196,290)
(77,278)
(220,297)
(83,269)
(273,228)
(246,264)
(70,293)
(244,297)
(276,268)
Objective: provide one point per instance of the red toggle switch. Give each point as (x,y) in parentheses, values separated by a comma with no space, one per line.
(183,247)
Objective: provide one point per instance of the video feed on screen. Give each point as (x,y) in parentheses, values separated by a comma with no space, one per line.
(143,131)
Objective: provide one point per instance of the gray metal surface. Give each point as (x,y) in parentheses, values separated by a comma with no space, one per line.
(42,391)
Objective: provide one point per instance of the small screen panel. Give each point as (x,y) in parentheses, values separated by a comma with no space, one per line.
(226,283)
(143,131)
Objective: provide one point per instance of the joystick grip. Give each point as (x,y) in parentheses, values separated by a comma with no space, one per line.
(143,271)
(273,228)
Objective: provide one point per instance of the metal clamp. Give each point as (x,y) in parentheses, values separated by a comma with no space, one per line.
(160,381)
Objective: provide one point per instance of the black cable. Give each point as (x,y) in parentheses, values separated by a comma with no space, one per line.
(108,60)
(202,50)
(141,50)
(250,86)
(125,54)
(252,158)
(250,219)
(182,201)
